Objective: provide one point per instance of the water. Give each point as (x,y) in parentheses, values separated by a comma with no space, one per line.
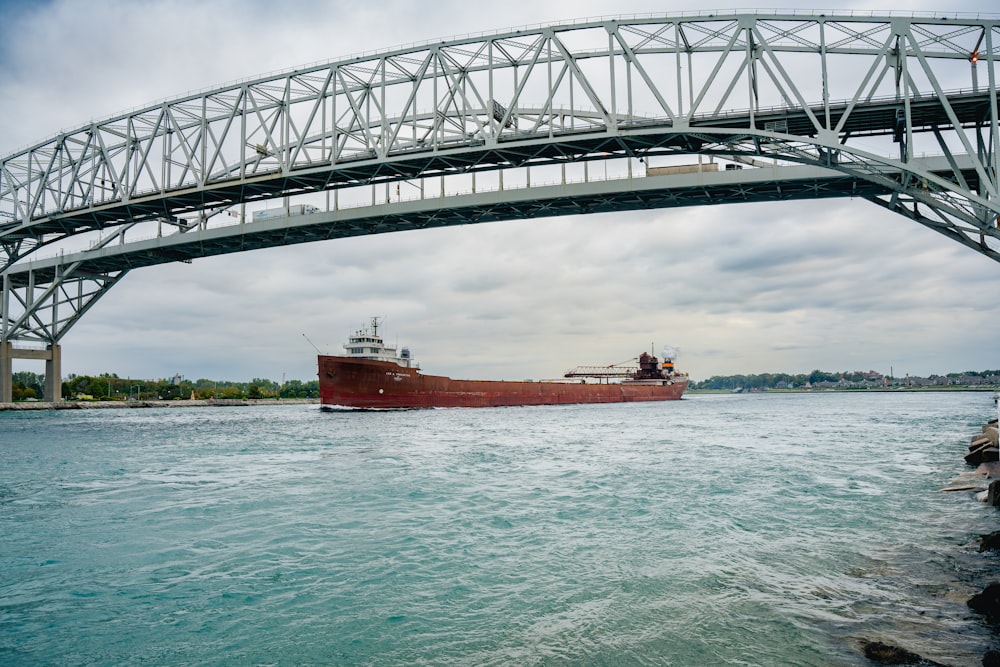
(740,530)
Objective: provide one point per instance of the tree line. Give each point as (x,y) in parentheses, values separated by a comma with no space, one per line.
(765,380)
(799,380)
(110,387)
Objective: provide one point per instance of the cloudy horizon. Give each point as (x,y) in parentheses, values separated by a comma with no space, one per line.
(836,285)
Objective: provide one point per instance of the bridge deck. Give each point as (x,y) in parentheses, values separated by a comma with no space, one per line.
(748,185)
(636,138)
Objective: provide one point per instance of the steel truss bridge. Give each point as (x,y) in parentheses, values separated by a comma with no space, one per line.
(589,116)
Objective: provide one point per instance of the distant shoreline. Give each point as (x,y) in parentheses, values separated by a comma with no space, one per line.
(135,405)
(889,390)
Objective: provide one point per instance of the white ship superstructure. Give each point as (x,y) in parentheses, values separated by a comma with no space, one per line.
(367,344)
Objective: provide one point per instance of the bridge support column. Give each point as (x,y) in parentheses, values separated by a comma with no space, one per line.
(52,355)
(6,373)
(53,374)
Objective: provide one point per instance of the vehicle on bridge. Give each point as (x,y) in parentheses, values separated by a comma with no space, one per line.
(284,212)
(373,376)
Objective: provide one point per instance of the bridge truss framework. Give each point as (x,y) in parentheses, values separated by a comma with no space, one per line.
(796,105)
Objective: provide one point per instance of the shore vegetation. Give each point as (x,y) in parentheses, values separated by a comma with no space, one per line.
(847,380)
(111,387)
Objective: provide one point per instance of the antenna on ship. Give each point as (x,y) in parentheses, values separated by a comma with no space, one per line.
(311,343)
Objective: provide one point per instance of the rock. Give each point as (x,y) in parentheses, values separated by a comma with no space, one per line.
(977,455)
(960,487)
(978,442)
(887,654)
(990,432)
(985,453)
(991,659)
(989,542)
(987,602)
(993,493)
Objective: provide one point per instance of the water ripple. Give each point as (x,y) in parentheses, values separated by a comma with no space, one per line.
(761,530)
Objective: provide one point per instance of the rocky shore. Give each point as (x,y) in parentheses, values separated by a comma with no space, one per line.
(102,405)
(984,483)
(984,453)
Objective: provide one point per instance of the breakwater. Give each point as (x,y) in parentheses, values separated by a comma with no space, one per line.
(984,484)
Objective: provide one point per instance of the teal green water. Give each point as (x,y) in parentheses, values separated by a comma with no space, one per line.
(739,530)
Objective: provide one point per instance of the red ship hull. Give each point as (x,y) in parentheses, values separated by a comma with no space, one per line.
(364,383)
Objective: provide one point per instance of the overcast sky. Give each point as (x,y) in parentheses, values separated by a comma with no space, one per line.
(748,288)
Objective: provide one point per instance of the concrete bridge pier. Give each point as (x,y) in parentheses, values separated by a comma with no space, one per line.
(6,373)
(53,370)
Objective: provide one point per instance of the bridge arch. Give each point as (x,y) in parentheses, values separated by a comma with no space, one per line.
(794,105)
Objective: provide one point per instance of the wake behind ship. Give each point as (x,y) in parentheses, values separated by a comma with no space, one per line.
(371,375)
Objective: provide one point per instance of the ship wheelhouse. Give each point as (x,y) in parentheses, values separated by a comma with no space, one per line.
(367,344)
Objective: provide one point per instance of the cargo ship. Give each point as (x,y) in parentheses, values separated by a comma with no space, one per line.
(371,375)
